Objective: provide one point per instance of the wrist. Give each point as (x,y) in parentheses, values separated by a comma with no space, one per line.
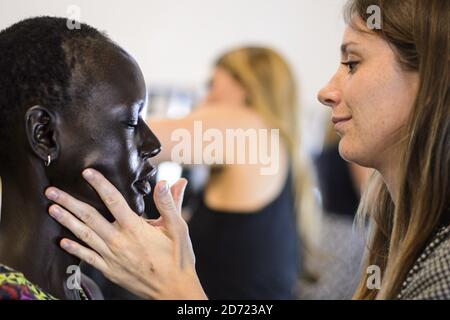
(190,287)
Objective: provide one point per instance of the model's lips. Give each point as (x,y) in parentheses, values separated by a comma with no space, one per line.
(143,187)
(143,184)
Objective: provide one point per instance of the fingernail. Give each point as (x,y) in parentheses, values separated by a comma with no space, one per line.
(163,188)
(65,245)
(88,174)
(51,194)
(55,212)
(186,183)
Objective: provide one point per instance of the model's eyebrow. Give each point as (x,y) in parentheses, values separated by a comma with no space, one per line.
(141,105)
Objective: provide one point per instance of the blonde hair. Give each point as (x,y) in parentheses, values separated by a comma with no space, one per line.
(419,33)
(272,92)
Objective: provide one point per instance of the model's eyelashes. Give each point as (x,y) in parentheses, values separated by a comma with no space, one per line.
(132,124)
(351,65)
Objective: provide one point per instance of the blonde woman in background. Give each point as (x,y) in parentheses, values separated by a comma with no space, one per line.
(243,231)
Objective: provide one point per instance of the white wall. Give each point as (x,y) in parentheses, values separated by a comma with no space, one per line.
(175,41)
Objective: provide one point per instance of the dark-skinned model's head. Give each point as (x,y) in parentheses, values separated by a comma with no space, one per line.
(74,97)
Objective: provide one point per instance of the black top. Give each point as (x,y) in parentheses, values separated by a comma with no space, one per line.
(335,182)
(247,255)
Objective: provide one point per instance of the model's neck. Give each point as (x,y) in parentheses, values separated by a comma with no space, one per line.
(29,237)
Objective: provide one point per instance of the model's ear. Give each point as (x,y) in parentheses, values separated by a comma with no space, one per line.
(40,126)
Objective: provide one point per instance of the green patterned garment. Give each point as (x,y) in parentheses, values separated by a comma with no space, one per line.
(14,286)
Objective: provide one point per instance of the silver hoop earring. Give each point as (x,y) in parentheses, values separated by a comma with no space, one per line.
(49,160)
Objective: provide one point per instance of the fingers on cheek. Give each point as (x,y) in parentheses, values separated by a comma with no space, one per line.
(56,212)
(69,246)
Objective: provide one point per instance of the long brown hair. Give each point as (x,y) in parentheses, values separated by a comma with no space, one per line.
(419,33)
(272,92)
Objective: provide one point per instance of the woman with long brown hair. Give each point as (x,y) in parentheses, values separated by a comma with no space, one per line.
(391,106)
(390,100)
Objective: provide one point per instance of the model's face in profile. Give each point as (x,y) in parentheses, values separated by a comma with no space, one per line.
(371,96)
(108,134)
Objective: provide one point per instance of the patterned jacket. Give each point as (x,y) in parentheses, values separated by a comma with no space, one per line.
(429,278)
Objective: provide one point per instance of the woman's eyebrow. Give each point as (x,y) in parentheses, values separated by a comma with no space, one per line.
(344,47)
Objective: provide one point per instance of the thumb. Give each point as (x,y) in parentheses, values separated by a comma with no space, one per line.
(177,191)
(165,204)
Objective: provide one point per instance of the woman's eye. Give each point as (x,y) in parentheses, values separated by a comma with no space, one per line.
(351,66)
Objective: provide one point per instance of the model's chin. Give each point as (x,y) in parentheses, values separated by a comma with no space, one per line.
(137,204)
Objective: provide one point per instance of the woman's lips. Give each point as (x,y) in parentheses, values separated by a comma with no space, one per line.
(340,121)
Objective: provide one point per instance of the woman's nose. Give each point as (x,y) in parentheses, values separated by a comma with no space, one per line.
(329,95)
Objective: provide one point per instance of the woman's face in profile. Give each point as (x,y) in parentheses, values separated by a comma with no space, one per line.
(223,88)
(108,133)
(371,97)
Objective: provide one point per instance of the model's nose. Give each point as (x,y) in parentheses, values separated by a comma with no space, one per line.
(150,145)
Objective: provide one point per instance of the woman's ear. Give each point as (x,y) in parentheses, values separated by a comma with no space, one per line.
(40,127)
